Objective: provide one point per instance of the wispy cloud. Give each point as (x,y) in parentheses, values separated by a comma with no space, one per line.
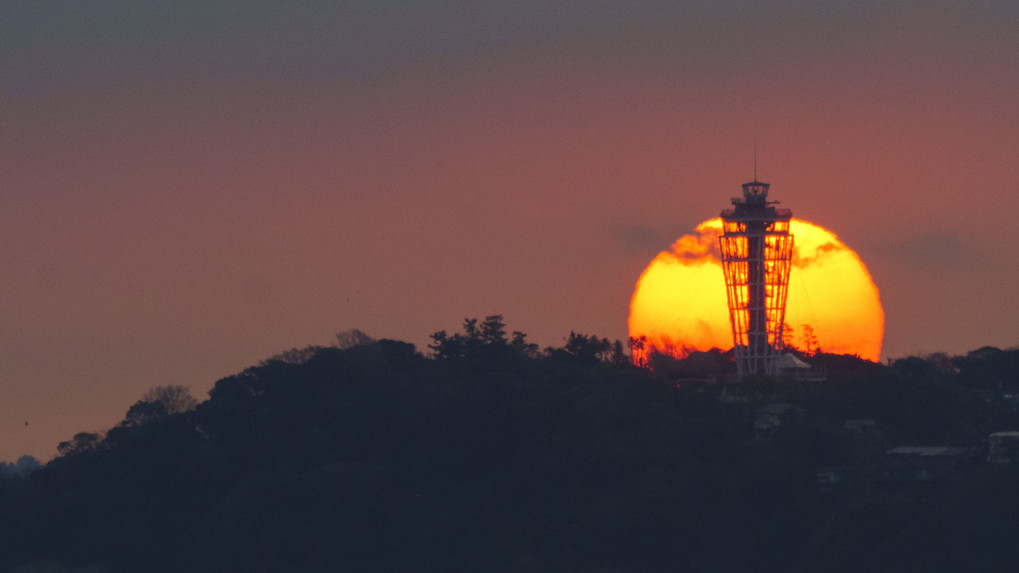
(937,250)
(641,239)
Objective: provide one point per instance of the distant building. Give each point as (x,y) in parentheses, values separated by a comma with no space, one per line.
(768,418)
(791,367)
(902,466)
(836,478)
(1003,448)
(910,464)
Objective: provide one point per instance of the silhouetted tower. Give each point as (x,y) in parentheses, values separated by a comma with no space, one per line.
(756,256)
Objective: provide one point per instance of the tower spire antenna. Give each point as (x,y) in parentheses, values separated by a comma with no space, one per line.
(755,158)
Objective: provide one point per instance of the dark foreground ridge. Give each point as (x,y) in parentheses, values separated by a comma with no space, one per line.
(490,455)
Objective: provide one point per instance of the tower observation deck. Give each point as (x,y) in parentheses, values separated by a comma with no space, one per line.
(756,258)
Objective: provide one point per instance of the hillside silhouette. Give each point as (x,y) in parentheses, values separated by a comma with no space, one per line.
(490,454)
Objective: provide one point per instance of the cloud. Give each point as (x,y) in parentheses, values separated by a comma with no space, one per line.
(641,239)
(937,250)
(701,246)
(803,259)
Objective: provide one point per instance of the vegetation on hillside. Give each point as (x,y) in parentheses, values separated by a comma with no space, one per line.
(491,454)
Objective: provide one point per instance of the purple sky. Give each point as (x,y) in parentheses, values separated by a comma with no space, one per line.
(189,189)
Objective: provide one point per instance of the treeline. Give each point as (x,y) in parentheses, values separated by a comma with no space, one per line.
(490,454)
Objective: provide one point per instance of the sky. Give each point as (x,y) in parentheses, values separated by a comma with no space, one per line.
(188,188)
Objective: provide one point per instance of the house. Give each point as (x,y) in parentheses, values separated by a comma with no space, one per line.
(769,417)
(1003,448)
(790,366)
(911,464)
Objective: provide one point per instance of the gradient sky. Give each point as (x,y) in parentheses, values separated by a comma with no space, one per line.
(187,189)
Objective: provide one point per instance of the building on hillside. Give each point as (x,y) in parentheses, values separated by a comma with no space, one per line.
(910,464)
(1003,448)
(770,417)
(791,367)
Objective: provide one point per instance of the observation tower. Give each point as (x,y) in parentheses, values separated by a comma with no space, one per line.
(756,257)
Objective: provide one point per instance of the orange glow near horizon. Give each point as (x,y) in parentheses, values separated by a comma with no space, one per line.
(679,303)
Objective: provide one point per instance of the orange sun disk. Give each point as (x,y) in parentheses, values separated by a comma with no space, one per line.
(679,303)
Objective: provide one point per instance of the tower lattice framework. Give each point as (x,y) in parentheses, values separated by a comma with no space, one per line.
(756,259)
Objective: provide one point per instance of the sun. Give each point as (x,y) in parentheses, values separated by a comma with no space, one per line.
(679,303)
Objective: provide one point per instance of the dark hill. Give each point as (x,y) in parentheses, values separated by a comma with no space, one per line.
(493,456)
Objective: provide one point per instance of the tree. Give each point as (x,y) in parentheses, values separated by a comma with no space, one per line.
(618,357)
(787,335)
(445,347)
(520,344)
(158,403)
(493,330)
(175,399)
(810,345)
(23,467)
(351,338)
(297,355)
(583,348)
(471,331)
(81,442)
(485,340)
(471,337)
(639,350)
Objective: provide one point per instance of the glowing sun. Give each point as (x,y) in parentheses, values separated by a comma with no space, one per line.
(679,304)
